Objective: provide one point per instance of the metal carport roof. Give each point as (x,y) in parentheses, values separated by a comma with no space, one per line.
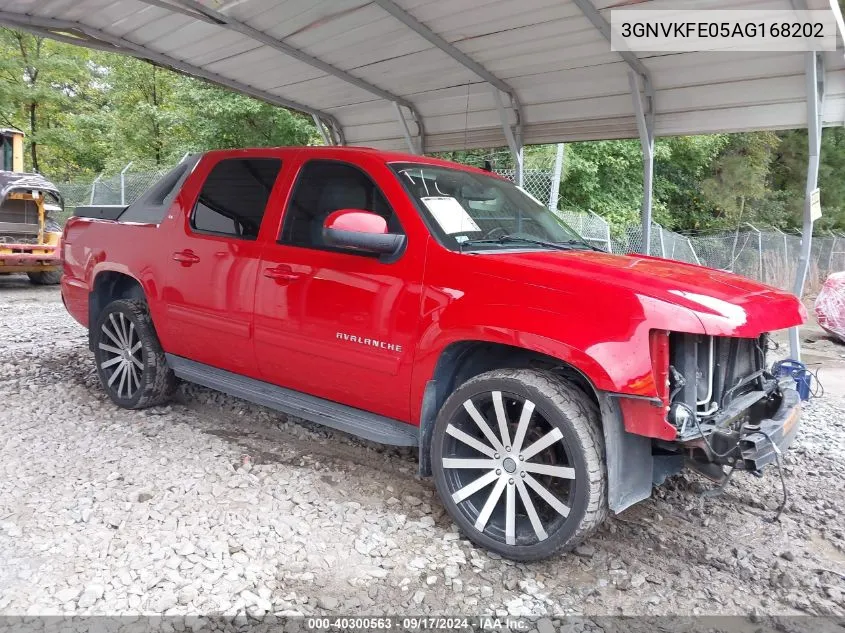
(349,61)
(438,75)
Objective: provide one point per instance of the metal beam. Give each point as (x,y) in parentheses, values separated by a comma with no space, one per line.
(513,144)
(462,58)
(404,125)
(82,35)
(193,7)
(603,26)
(644,112)
(645,127)
(322,130)
(815,81)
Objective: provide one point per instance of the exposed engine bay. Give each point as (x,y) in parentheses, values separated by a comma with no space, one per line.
(727,408)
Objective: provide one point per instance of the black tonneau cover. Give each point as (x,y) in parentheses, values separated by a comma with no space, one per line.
(100,211)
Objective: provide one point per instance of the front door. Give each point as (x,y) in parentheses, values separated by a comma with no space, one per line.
(208,299)
(336,323)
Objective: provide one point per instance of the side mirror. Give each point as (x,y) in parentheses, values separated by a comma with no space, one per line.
(361,230)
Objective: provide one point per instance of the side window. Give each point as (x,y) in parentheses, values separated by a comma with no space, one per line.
(234,196)
(324,187)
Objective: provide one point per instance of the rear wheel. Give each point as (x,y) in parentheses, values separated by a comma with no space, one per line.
(518,461)
(45,277)
(130,362)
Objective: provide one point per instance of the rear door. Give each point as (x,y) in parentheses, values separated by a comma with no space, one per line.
(213,262)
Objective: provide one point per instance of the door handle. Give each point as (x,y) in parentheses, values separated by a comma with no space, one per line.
(186,257)
(282,273)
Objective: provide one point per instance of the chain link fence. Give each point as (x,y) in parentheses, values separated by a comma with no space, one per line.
(768,255)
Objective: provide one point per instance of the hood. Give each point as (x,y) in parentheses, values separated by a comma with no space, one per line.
(725,303)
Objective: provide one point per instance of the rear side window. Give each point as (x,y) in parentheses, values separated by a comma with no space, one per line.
(153,204)
(234,197)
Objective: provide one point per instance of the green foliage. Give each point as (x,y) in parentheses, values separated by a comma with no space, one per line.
(85,112)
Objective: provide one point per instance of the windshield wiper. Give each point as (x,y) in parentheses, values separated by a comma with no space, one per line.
(504,239)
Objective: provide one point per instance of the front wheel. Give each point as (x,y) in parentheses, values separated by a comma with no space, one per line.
(518,461)
(130,362)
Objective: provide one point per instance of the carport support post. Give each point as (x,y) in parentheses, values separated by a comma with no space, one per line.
(405,131)
(326,139)
(554,194)
(815,77)
(645,127)
(514,140)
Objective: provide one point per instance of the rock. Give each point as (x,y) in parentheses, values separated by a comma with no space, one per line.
(90,595)
(787,555)
(329,603)
(144,496)
(417,563)
(68,594)
(451,571)
(585,550)
(419,596)
(545,625)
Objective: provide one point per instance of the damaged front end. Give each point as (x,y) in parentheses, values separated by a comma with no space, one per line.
(728,410)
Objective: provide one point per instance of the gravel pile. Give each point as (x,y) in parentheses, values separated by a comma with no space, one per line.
(214,506)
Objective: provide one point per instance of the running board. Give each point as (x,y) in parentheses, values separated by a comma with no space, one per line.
(363,424)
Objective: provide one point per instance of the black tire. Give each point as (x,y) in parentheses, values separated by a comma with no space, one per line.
(573,462)
(45,277)
(125,341)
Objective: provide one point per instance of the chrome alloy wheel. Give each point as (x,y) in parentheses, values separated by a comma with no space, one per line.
(122,355)
(501,439)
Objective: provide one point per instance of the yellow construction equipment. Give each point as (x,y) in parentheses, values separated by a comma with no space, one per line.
(29,205)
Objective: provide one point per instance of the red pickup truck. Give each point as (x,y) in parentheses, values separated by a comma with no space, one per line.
(413,301)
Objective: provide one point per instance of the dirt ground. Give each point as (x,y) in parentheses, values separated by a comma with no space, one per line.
(214,506)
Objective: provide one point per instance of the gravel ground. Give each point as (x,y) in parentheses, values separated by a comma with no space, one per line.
(215,506)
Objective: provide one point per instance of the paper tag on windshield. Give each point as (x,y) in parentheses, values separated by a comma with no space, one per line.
(450,215)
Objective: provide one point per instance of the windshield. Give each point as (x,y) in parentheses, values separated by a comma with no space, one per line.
(469,211)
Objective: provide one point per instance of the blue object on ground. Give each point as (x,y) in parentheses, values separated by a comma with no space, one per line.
(798,372)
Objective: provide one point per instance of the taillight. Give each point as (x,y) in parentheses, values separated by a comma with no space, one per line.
(658,346)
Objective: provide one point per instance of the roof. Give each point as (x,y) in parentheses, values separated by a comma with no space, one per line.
(350,61)
(334,152)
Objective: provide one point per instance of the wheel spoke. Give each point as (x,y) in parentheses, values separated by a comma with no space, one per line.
(108,333)
(452,462)
(123,329)
(131,336)
(136,347)
(474,486)
(116,373)
(531,511)
(123,379)
(133,373)
(510,515)
(492,500)
(137,363)
(547,496)
(111,362)
(109,348)
(564,472)
(547,440)
(482,424)
(469,440)
(501,418)
(522,425)
(117,330)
